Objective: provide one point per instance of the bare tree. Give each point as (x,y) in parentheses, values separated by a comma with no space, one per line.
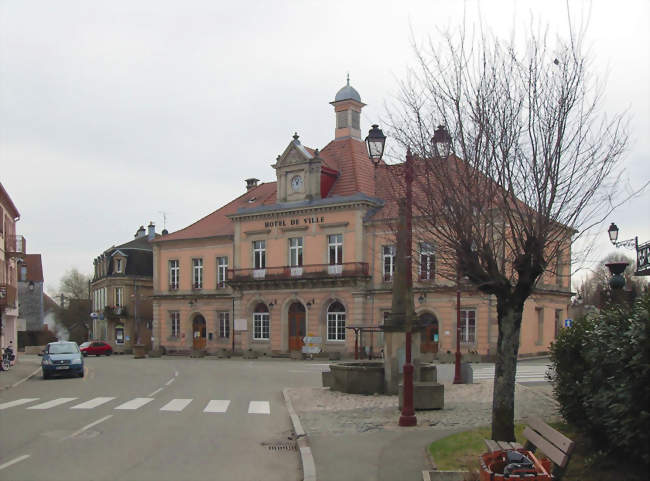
(532,167)
(74,285)
(595,290)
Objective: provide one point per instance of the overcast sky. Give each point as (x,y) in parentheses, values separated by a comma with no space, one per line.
(114,112)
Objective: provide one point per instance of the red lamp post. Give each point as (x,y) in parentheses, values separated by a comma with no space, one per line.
(407,417)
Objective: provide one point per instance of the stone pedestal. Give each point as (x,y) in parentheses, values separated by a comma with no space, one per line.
(138,351)
(426,395)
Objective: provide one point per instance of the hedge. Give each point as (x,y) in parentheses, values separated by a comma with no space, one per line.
(602,379)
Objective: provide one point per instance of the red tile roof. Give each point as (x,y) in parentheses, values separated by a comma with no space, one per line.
(348,157)
(34,267)
(216,223)
(9,204)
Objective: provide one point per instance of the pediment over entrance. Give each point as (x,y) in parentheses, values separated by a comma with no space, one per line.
(295,153)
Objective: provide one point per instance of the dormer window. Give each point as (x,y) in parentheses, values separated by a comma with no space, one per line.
(119,266)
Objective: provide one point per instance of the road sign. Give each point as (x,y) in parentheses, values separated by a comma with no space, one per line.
(568,322)
(312,344)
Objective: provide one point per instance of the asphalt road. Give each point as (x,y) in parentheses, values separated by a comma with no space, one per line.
(154,419)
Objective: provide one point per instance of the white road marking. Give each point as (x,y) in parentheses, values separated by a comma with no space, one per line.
(93,403)
(259,407)
(156,392)
(169,382)
(134,404)
(176,405)
(217,406)
(18,383)
(76,433)
(175,373)
(51,404)
(14,461)
(17,402)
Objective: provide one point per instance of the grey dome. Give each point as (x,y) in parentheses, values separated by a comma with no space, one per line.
(347,93)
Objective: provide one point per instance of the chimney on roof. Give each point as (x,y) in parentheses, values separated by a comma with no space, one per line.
(151,231)
(140,232)
(165,232)
(251,183)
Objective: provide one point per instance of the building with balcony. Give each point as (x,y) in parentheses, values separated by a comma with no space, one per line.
(120,293)
(313,254)
(12,252)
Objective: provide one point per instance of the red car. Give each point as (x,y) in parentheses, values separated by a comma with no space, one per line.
(98,348)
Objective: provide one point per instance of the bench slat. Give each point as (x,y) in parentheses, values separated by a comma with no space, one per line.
(491,445)
(516,446)
(558,439)
(554,454)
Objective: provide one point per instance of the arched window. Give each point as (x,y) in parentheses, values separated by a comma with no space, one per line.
(261,322)
(336,322)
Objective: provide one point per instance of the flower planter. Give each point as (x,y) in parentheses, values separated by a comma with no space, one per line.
(492,467)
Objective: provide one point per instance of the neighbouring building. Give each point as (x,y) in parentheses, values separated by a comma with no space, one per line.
(30,292)
(313,254)
(121,291)
(12,251)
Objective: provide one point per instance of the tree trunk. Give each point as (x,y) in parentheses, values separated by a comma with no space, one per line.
(505,369)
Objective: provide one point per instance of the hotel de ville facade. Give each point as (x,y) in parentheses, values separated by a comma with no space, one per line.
(313,254)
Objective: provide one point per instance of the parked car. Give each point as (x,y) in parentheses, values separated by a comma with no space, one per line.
(97,348)
(62,357)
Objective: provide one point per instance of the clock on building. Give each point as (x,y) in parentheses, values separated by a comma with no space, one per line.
(296,183)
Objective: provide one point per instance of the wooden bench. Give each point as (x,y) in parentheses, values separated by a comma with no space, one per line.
(539,435)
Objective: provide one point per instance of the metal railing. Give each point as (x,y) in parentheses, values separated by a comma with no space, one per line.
(15,245)
(311,271)
(7,295)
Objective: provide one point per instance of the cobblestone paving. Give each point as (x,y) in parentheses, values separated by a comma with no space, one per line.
(466,406)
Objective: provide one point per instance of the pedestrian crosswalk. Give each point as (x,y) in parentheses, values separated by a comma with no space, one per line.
(173,405)
(527,373)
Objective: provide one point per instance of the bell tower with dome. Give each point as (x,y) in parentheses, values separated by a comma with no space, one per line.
(347,106)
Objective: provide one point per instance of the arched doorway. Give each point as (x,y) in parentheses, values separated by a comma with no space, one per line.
(430,338)
(296,326)
(198,332)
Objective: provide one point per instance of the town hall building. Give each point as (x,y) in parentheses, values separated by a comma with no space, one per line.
(313,254)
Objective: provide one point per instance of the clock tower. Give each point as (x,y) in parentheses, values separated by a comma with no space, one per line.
(298,172)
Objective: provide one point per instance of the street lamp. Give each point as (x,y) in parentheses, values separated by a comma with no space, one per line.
(642,251)
(375,142)
(441,142)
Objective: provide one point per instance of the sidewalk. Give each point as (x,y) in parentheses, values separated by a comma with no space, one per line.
(26,365)
(356,437)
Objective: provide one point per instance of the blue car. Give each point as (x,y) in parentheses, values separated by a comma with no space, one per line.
(62,357)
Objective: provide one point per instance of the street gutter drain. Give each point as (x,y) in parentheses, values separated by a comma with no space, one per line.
(281,445)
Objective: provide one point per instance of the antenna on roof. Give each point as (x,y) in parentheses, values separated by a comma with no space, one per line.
(164,214)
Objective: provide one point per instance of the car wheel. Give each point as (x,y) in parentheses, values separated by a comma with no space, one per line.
(46,375)
(85,354)
(108,353)
(81,374)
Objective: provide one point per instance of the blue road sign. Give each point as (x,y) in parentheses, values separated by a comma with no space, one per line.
(568,322)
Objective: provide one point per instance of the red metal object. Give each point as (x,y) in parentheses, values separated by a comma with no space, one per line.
(492,466)
(458,378)
(408,413)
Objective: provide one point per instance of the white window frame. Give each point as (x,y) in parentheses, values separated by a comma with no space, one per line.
(118,266)
(335,249)
(118,297)
(197,273)
(259,254)
(465,331)
(222,271)
(117,339)
(261,326)
(295,251)
(388,253)
(174,273)
(427,262)
(175,318)
(224,324)
(336,326)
